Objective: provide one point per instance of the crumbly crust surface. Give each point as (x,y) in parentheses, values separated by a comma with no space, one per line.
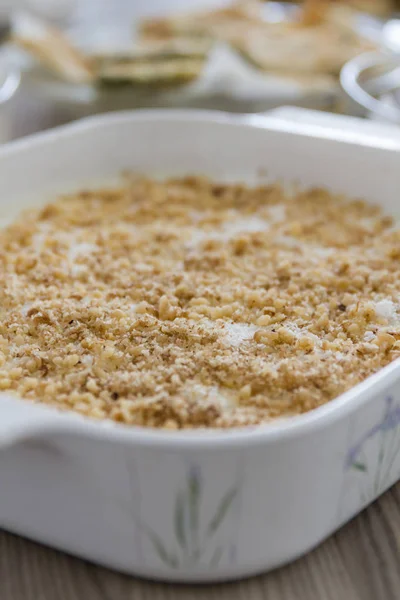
(188,303)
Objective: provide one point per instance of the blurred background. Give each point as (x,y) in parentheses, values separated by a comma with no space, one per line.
(64,59)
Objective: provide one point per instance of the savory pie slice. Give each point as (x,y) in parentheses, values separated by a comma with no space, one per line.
(154,62)
(151,70)
(158,63)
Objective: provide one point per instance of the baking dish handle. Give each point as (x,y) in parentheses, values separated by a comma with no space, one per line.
(335,126)
(21,420)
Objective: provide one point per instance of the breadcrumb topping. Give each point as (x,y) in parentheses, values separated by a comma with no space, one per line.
(188,303)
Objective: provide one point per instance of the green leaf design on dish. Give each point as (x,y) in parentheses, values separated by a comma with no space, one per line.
(192,541)
(165,556)
(216,557)
(359,467)
(222,510)
(180,520)
(376,454)
(194,494)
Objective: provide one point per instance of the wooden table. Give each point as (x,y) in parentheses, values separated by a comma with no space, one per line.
(361,562)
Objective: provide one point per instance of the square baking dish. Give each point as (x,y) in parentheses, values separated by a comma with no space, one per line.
(197,505)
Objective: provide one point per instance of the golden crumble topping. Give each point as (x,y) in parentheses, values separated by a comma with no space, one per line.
(188,303)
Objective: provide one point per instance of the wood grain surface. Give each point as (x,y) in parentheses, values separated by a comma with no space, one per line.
(360,562)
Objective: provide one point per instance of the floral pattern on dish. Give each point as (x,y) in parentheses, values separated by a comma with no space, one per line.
(197,541)
(375,456)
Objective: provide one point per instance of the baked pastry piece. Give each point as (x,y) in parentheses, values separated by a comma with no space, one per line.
(154,63)
(51,48)
(381,8)
(204,24)
(319,42)
(151,69)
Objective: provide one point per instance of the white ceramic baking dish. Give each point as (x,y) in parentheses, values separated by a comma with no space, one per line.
(197,506)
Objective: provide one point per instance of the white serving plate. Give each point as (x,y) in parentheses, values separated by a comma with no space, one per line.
(197,506)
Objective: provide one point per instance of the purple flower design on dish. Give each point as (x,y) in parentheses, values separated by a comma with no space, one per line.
(379,466)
